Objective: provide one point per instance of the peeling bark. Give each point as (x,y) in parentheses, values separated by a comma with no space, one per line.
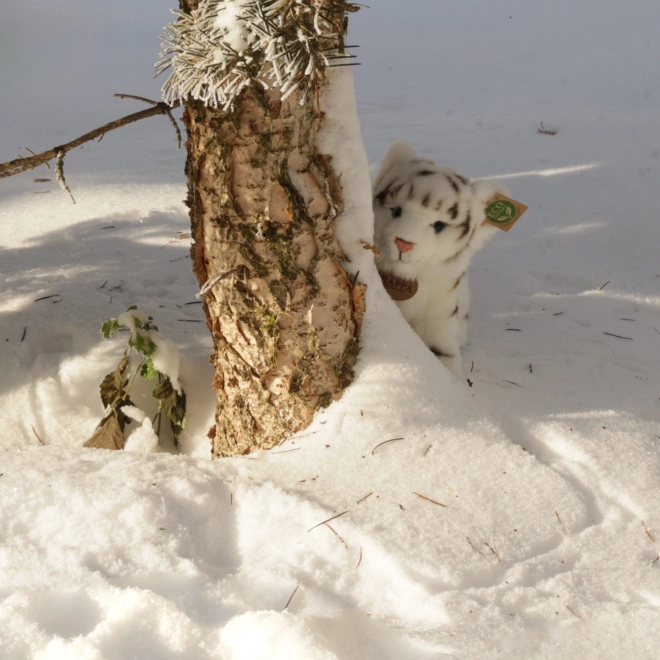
(263,204)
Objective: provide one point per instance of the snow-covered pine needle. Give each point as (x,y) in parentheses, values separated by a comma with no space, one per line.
(224,46)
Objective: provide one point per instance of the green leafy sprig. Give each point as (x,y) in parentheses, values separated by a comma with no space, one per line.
(116,386)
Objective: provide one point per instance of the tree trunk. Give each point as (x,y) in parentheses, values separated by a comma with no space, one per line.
(285,317)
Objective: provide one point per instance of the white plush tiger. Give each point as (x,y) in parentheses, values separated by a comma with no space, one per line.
(429,221)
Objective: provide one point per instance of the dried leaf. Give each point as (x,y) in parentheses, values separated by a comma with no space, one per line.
(173,403)
(112,386)
(108,434)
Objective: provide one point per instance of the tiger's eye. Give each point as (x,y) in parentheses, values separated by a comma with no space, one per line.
(438,226)
(396,212)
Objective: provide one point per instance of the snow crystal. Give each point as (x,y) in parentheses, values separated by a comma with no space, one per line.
(237,33)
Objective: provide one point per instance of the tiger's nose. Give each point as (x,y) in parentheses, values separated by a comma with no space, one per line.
(403,246)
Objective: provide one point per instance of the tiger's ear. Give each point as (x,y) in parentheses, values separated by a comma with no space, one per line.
(484,191)
(397,154)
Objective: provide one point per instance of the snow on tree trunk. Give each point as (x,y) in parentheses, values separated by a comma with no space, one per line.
(285,317)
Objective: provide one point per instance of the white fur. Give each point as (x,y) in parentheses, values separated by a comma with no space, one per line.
(426,193)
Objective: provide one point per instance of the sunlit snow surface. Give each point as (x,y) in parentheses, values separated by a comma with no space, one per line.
(516,516)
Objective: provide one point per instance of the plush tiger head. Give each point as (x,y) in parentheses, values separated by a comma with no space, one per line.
(428,218)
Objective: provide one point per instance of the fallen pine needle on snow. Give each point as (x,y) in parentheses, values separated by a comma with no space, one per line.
(337,535)
(618,336)
(648,533)
(545,131)
(288,602)
(428,499)
(574,613)
(493,549)
(385,442)
(323,522)
(38,438)
(604,285)
(285,451)
(359,560)
(365,497)
(474,547)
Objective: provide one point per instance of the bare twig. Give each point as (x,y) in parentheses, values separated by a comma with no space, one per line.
(327,521)
(385,442)
(211,282)
(59,174)
(154,103)
(19,165)
(428,499)
(137,98)
(545,131)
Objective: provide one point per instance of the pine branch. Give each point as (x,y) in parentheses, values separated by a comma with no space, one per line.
(19,165)
(284,48)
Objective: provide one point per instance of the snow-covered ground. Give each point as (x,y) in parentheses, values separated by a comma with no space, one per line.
(516,516)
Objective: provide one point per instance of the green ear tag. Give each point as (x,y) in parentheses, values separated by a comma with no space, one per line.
(503,212)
